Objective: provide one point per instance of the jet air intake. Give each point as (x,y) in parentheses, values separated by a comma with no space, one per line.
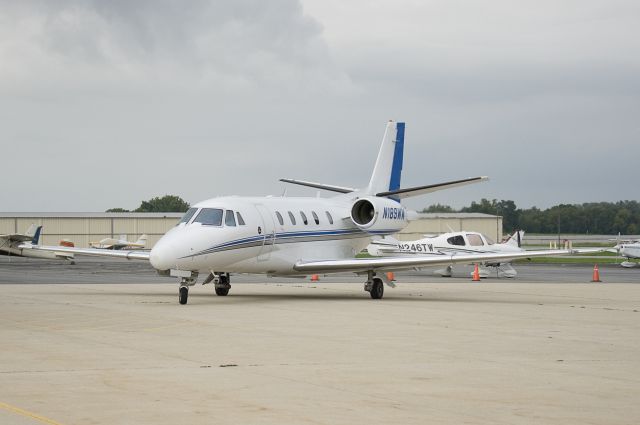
(378,215)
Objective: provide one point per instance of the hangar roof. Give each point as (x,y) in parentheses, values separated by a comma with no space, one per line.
(426,216)
(88,215)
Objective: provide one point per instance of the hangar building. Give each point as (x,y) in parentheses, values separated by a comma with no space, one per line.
(82,228)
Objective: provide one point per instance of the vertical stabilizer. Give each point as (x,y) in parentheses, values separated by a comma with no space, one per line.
(388,169)
(142,241)
(36,236)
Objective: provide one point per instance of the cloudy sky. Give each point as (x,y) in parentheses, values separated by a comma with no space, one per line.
(106,103)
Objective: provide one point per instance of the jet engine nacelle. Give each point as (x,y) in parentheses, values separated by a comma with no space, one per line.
(378,215)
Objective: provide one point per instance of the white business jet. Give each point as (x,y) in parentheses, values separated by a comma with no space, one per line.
(297,236)
(10,245)
(464,242)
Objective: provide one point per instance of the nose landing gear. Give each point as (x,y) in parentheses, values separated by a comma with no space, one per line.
(187,278)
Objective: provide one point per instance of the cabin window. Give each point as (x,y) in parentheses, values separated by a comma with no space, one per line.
(304,218)
(474,239)
(230,219)
(315,217)
(329,217)
(280,220)
(292,218)
(187,216)
(240,219)
(209,217)
(456,240)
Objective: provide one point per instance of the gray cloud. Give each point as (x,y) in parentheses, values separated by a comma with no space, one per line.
(108,103)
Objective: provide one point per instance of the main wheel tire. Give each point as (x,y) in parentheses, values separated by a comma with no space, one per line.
(377,289)
(183,295)
(222,291)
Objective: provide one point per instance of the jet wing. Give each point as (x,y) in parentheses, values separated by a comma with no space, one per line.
(129,255)
(403,263)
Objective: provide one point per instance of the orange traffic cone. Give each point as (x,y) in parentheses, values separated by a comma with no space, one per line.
(391,276)
(596,274)
(315,278)
(476,274)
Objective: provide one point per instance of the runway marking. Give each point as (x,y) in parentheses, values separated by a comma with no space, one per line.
(26,413)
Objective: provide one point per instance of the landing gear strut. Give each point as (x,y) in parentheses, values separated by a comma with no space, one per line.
(374,286)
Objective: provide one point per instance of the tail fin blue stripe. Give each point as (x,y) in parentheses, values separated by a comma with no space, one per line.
(398,153)
(36,236)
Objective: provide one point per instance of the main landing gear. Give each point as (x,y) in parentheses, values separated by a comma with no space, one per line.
(220,282)
(222,285)
(374,286)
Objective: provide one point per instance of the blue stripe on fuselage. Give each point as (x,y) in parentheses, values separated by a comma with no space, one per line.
(287,236)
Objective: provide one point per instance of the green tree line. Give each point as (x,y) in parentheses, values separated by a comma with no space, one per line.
(606,218)
(167,203)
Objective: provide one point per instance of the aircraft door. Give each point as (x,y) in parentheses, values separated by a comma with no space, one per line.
(268,230)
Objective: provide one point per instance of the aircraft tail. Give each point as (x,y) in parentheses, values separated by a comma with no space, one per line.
(36,236)
(388,169)
(142,240)
(516,239)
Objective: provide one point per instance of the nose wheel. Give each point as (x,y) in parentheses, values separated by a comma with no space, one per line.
(183,294)
(183,290)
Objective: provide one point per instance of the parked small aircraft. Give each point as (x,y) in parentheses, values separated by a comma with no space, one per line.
(10,245)
(122,243)
(452,243)
(629,249)
(298,236)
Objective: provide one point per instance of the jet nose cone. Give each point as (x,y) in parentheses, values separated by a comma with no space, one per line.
(162,256)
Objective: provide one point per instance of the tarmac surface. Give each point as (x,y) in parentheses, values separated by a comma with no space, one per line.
(106,342)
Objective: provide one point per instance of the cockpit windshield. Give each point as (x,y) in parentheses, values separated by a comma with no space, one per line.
(187,216)
(474,239)
(209,217)
(489,240)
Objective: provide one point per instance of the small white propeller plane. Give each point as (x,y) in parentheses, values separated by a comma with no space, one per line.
(122,243)
(297,236)
(464,242)
(629,249)
(10,245)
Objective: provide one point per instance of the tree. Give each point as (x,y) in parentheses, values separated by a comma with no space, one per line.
(167,203)
(485,206)
(438,208)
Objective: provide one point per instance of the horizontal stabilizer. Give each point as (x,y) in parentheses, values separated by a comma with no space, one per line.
(329,187)
(421,190)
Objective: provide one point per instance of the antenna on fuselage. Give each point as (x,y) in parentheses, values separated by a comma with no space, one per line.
(284,193)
